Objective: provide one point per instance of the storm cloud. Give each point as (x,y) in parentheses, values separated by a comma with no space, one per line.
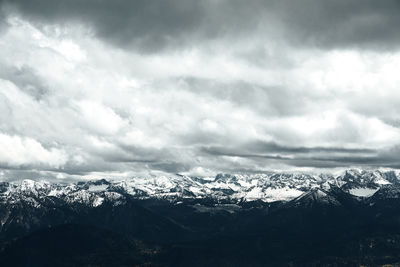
(119,88)
(151,26)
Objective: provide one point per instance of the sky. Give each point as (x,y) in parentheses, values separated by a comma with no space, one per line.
(120,88)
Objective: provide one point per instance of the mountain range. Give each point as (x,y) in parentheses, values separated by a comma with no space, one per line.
(282,219)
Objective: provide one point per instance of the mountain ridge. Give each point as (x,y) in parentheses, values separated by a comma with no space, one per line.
(266,187)
(230,215)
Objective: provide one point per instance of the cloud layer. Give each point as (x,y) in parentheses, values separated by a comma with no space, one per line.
(117,88)
(153,26)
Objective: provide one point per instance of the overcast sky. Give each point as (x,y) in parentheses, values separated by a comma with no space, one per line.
(120,88)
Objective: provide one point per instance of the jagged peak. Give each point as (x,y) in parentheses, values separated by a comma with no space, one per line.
(268,187)
(387,192)
(315,196)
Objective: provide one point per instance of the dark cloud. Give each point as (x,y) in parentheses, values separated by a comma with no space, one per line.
(150,26)
(26,79)
(271,147)
(317,157)
(222,151)
(271,100)
(3,22)
(171,167)
(344,24)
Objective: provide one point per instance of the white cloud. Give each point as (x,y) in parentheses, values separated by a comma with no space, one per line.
(16,151)
(99,118)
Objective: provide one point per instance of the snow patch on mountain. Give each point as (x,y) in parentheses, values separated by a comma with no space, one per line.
(363,191)
(97,188)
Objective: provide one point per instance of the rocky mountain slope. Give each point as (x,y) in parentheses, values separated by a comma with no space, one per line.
(284,219)
(266,187)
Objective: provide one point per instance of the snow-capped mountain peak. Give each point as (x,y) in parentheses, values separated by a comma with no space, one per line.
(241,187)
